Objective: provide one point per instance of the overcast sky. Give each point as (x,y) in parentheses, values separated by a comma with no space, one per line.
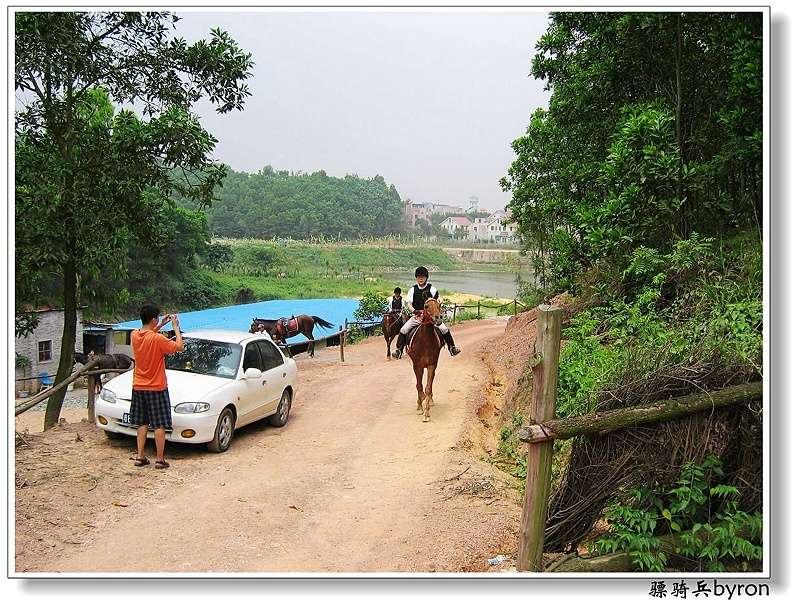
(429,100)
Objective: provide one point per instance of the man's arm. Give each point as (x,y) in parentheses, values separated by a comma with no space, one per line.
(176,327)
(164,320)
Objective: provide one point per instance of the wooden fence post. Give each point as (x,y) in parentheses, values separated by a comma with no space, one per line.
(540,456)
(479,309)
(343,340)
(91,384)
(515,306)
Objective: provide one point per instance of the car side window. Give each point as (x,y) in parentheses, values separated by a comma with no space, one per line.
(271,355)
(252,358)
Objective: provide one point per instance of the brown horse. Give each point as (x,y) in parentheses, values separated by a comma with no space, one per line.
(278,331)
(104,361)
(424,353)
(390,326)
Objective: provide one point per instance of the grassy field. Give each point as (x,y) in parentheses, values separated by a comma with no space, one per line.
(301,285)
(283,269)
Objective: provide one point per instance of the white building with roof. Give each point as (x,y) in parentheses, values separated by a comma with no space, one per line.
(495,229)
(457,228)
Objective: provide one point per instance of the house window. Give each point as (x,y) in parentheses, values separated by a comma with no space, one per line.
(46,351)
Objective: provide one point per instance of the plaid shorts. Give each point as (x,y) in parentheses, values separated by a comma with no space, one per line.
(152,408)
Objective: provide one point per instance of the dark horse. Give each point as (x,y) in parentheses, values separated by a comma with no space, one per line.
(390,326)
(104,361)
(423,350)
(279,333)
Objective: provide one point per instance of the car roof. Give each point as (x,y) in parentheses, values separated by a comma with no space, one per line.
(224,335)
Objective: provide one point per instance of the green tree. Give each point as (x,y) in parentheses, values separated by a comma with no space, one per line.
(88,179)
(279,204)
(653,131)
(217,256)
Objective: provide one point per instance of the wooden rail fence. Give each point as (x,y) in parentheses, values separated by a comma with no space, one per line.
(518,307)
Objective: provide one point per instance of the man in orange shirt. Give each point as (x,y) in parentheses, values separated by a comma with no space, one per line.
(150,404)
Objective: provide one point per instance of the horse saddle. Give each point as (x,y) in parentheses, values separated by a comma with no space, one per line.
(413,333)
(286,327)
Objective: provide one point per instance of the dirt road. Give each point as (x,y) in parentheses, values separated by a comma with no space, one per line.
(354,483)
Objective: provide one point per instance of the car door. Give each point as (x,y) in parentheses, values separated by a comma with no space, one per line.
(253,389)
(274,376)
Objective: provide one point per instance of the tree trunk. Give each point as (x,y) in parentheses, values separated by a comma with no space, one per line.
(67,359)
(667,410)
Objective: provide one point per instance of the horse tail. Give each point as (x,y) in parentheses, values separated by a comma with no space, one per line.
(323,323)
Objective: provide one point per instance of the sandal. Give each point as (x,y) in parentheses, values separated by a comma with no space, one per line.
(162,464)
(140,462)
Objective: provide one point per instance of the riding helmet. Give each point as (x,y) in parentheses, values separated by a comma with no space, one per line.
(421,272)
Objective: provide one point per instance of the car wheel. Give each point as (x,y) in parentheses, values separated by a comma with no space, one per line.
(223,435)
(280,418)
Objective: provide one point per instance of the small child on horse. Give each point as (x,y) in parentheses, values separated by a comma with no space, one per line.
(395,303)
(415,300)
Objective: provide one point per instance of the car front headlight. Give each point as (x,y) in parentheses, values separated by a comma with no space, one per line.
(192,407)
(108,396)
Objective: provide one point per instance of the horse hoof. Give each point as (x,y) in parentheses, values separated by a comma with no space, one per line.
(419,411)
(426,419)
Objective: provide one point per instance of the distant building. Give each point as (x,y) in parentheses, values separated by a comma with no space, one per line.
(426,210)
(457,228)
(495,229)
(500,229)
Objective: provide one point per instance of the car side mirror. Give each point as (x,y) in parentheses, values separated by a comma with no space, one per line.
(252,373)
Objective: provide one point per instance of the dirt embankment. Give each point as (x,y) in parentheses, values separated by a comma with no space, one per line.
(508,358)
(354,483)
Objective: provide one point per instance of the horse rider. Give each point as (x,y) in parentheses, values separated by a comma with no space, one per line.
(415,301)
(394,305)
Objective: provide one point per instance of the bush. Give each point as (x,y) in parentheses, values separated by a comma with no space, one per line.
(703,513)
(370,307)
(355,334)
(245,295)
(200,292)
(21,361)
(529,294)
(218,255)
(467,315)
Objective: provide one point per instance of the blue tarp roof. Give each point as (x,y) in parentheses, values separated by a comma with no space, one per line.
(240,316)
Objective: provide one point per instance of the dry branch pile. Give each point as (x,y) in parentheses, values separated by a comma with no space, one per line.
(601,466)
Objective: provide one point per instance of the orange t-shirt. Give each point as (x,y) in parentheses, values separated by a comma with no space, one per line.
(149,349)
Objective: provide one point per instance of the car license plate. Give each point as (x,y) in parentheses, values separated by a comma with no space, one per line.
(126,418)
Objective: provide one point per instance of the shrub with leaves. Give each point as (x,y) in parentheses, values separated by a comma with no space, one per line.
(702,514)
(371,306)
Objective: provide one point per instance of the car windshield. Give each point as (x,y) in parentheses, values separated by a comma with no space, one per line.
(206,357)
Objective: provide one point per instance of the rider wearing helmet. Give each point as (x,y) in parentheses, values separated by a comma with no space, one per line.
(415,301)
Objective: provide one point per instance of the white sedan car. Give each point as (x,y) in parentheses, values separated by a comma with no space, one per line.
(221,381)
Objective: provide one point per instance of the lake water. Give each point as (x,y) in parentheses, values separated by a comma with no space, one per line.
(484,283)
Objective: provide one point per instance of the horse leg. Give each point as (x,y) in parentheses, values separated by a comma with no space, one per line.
(419,372)
(429,394)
